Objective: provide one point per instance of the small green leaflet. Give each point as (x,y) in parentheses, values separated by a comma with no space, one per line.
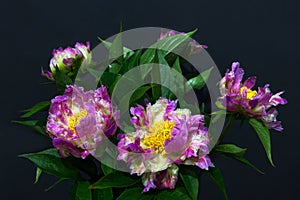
(37,174)
(36,108)
(264,136)
(199,81)
(215,174)
(108,45)
(37,125)
(230,149)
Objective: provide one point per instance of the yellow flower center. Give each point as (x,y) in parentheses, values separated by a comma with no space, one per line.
(75,119)
(249,93)
(159,132)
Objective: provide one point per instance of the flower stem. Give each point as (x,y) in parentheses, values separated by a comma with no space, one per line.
(226,128)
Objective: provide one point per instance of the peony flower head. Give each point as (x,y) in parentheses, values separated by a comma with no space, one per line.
(239,97)
(194,46)
(68,60)
(164,137)
(78,120)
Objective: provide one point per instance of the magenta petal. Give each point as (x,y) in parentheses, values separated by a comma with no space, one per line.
(204,162)
(64,147)
(179,141)
(250,82)
(276,99)
(47,74)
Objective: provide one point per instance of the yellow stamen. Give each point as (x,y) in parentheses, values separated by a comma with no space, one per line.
(249,93)
(159,132)
(75,119)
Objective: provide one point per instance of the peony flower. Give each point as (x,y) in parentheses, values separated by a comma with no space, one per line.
(194,47)
(78,120)
(239,97)
(68,60)
(164,137)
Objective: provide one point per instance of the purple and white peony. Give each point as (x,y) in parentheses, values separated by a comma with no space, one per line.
(79,120)
(239,97)
(164,137)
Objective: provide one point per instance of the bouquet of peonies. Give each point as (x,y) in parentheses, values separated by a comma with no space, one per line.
(137,123)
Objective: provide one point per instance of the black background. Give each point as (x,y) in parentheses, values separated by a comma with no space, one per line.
(261,34)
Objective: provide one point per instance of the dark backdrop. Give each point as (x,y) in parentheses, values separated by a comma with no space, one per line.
(261,34)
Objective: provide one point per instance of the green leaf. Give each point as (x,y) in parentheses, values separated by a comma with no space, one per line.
(166,77)
(202,108)
(37,174)
(138,93)
(190,180)
(236,154)
(106,194)
(219,105)
(217,115)
(94,72)
(116,50)
(155,76)
(106,170)
(83,192)
(215,174)
(131,62)
(114,67)
(135,193)
(230,149)
(80,191)
(156,91)
(169,44)
(147,57)
(50,162)
(117,179)
(62,80)
(55,184)
(36,108)
(246,162)
(264,136)
(113,85)
(108,78)
(87,165)
(178,193)
(37,125)
(176,65)
(207,120)
(108,45)
(29,123)
(178,80)
(199,81)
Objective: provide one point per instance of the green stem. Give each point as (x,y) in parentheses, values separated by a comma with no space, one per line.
(226,128)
